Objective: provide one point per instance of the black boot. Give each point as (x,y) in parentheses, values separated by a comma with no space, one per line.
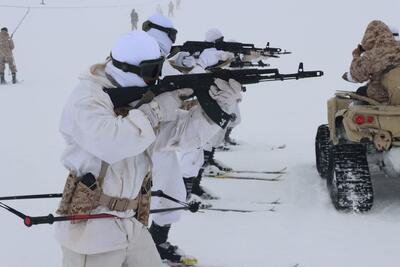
(14,77)
(199,190)
(196,188)
(165,249)
(188,181)
(209,160)
(2,80)
(228,140)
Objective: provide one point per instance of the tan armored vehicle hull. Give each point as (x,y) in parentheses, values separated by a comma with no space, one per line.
(359,129)
(372,122)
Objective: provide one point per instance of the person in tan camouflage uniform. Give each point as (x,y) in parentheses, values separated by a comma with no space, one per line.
(134,19)
(377,54)
(6,55)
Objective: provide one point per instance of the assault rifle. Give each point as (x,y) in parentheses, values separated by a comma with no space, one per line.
(196,47)
(200,83)
(244,64)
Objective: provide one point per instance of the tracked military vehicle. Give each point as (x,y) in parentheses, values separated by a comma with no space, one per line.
(361,135)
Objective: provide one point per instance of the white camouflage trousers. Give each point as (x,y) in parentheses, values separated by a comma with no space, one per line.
(141,252)
(167,176)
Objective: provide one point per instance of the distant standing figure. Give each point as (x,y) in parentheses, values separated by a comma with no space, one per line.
(6,55)
(171,9)
(159,9)
(178,4)
(134,19)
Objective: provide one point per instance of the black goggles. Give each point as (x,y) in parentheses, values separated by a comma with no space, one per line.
(149,70)
(219,40)
(171,32)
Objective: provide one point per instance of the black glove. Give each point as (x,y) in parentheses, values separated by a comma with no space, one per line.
(188,185)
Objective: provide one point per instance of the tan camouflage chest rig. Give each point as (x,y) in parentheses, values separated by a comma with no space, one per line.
(79,199)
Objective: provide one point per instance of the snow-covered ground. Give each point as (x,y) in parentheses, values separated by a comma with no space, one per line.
(59,40)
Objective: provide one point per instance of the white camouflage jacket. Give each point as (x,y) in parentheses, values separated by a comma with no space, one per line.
(94,133)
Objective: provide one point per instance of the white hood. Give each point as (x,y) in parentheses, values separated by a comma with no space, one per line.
(132,48)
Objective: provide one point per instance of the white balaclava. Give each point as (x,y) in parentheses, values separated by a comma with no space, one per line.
(213,34)
(395,32)
(132,48)
(161,37)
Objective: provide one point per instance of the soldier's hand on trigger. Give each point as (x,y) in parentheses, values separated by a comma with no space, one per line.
(164,107)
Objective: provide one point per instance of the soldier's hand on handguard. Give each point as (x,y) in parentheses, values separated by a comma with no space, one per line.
(226,94)
(184,59)
(165,107)
(211,56)
(254,56)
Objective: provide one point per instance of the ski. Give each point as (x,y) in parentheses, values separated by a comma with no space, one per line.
(189,264)
(240,210)
(283,146)
(279,171)
(275,178)
(215,207)
(274,202)
(186,265)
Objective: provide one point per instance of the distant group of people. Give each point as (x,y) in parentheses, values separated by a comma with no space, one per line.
(6,55)
(171,6)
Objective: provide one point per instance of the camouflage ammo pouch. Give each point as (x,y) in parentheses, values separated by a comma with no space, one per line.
(78,196)
(81,198)
(68,192)
(143,209)
(85,198)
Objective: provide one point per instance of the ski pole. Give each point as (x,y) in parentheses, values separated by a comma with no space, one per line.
(168,210)
(50,219)
(54,195)
(195,206)
(19,24)
(158,193)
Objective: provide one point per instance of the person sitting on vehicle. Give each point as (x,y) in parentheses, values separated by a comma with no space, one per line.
(377,55)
